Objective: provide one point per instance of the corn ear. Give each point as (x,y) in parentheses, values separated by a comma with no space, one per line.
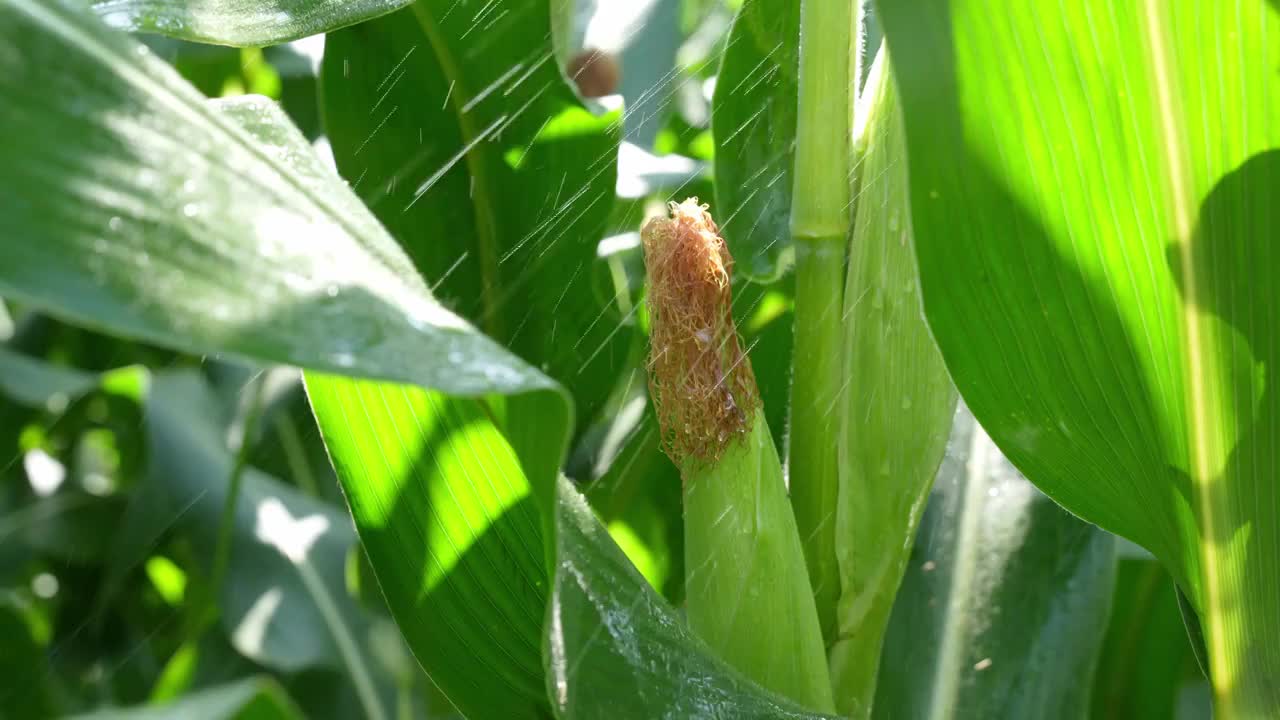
(747,589)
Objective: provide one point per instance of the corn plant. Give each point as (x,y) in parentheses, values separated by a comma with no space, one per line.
(937,382)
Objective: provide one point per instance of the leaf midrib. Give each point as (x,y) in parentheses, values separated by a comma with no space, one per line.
(1202,449)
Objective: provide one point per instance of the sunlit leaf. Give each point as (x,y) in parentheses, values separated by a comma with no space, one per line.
(1093,193)
(448,520)
(897,406)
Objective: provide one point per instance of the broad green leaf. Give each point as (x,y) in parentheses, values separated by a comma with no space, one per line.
(897,408)
(255,698)
(448,520)
(238,22)
(458,130)
(1145,660)
(617,650)
(754,122)
(207,228)
(1093,191)
(1003,607)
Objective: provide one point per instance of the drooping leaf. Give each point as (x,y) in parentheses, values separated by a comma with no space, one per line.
(457,129)
(255,698)
(612,637)
(1002,611)
(239,22)
(208,228)
(1093,191)
(754,122)
(651,45)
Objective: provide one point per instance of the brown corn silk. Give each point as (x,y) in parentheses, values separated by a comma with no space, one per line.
(703,390)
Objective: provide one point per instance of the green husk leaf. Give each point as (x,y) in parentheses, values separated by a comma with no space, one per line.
(898,407)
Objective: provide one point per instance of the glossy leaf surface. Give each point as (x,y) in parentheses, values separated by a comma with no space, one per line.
(216,229)
(244,23)
(205,227)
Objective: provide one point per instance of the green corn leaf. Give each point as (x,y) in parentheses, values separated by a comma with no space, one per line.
(210,228)
(464,139)
(448,520)
(1093,194)
(1003,607)
(242,23)
(754,122)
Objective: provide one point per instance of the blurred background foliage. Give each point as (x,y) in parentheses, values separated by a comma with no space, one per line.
(147,498)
